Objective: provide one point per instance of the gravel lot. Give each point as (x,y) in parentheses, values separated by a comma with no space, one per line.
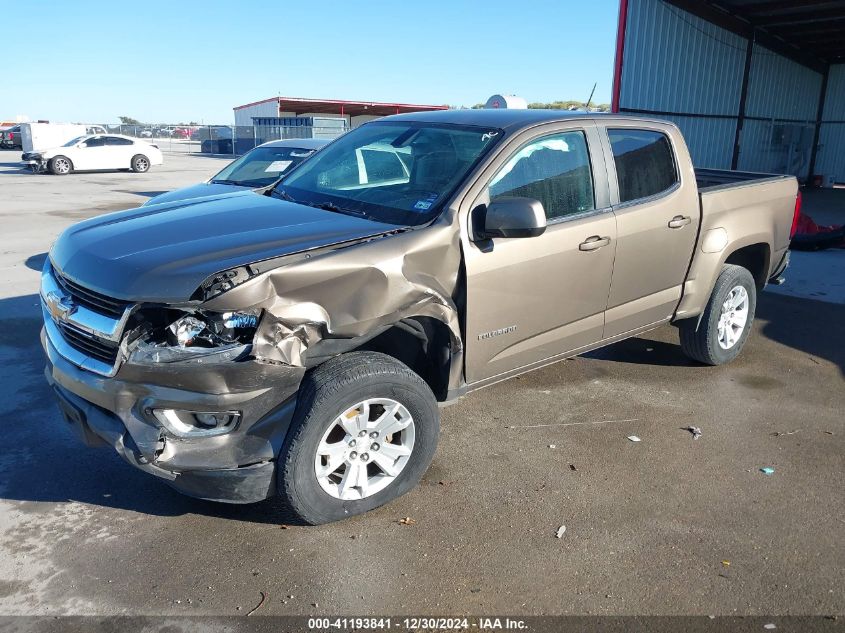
(665,526)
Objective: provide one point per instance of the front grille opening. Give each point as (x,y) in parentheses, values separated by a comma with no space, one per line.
(90,298)
(88,344)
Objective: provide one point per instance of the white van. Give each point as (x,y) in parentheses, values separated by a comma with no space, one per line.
(39,136)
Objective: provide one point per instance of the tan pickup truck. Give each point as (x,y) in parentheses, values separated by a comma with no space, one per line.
(297,339)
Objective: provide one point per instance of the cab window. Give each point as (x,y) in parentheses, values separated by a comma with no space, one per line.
(383,165)
(645,163)
(554,170)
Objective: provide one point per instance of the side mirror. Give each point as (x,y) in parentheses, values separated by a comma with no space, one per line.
(513,217)
(83,145)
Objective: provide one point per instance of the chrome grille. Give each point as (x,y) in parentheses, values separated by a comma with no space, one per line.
(83,326)
(88,344)
(90,298)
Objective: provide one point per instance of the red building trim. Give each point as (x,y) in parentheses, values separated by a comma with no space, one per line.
(337,106)
(247,105)
(620,54)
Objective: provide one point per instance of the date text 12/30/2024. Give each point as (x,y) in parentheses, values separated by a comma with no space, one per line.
(415,623)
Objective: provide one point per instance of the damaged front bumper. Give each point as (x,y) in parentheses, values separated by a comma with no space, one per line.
(34,161)
(235,467)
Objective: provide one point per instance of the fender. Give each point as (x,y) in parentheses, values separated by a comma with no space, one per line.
(337,300)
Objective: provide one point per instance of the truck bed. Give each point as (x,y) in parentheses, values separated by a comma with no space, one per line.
(711,179)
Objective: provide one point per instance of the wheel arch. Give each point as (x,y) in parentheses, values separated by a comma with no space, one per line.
(755,258)
(424,344)
(753,252)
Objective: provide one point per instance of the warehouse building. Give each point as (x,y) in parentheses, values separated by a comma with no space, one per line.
(324,117)
(756,85)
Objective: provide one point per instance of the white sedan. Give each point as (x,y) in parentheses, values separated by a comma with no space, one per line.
(95,152)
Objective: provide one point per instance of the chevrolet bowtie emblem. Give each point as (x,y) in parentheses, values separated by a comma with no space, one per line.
(60,307)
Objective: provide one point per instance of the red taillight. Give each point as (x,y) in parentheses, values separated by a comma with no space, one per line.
(11,136)
(796,215)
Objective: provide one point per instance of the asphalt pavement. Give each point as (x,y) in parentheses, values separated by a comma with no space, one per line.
(669,525)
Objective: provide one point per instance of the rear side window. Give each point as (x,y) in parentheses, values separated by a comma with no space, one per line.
(116,140)
(554,170)
(645,163)
(383,166)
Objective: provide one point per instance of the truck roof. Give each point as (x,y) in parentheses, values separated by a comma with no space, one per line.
(507,119)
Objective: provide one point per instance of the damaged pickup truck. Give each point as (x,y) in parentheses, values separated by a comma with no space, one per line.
(297,339)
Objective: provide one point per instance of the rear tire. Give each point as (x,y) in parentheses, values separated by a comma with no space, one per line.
(351,410)
(719,335)
(140,164)
(60,165)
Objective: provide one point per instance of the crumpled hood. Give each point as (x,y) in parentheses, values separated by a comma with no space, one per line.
(196,191)
(163,252)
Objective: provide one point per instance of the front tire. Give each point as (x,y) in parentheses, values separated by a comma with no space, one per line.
(364,432)
(719,335)
(60,165)
(140,164)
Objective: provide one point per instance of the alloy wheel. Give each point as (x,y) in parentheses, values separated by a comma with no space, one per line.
(733,317)
(364,449)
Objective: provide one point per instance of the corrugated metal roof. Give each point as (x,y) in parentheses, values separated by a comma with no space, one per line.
(678,64)
(816,27)
(339,106)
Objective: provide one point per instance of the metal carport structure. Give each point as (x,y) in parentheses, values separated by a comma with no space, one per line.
(754,84)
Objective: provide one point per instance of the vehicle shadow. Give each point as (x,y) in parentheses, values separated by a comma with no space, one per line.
(643,351)
(36,262)
(43,461)
(807,325)
(145,194)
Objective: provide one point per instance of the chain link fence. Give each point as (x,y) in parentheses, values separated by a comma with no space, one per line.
(218,139)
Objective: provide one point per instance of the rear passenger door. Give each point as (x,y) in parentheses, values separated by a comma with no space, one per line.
(120,152)
(657,218)
(531,299)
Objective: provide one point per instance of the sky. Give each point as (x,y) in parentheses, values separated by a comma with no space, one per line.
(189,60)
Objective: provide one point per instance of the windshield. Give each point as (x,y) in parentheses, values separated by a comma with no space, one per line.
(73,142)
(262,166)
(391,171)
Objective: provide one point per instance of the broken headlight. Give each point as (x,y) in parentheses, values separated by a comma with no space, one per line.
(169,336)
(212,329)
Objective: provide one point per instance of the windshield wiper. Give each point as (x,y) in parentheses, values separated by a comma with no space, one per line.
(228,182)
(328,206)
(331,206)
(284,195)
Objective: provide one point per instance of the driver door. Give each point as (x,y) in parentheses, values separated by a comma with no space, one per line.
(91,154)
(532,299)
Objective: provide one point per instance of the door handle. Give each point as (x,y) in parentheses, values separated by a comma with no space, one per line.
(679,222)
(593,243)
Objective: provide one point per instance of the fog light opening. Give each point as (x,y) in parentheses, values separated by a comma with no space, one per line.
(197,423)
(215,420)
